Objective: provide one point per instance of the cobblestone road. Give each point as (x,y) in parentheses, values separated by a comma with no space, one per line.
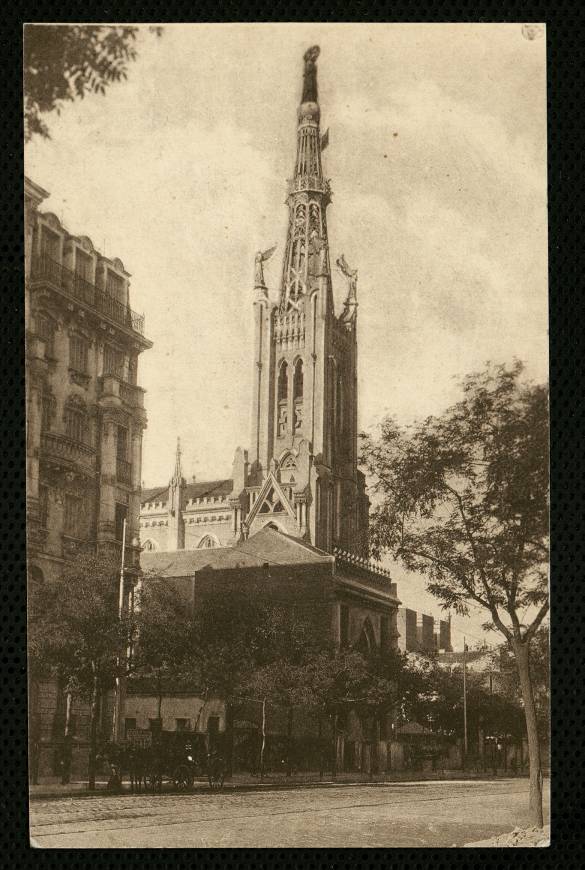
(393,814)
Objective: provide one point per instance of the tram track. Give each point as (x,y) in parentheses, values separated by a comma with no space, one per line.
(194,817)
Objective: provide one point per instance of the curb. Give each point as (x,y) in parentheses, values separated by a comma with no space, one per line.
(258,786)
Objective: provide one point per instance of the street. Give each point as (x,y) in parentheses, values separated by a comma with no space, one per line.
(423,814)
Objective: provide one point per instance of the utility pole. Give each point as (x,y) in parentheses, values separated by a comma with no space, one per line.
(118,693)
(464,700)
(262,747)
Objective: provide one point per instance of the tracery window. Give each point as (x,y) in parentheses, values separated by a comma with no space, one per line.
(282,399)
(208,542)
(298,394)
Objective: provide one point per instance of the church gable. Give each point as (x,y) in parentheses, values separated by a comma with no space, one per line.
(272,502)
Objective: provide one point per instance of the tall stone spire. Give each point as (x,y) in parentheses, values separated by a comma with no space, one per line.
(176,523)
(306,256)
(178,470)
(303,475)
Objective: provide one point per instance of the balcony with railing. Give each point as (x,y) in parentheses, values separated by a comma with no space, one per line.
(309,181)
(124,471)
(66,450)
(111,385)
(44,268)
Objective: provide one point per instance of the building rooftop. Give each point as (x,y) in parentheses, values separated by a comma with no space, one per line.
(266,546)
(197,489)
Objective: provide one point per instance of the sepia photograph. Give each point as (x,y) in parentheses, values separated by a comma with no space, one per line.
(287,435)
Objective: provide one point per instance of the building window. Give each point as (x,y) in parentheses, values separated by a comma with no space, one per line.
(44,506)
(122,443)
(46,331)
(183,724)
(129,725)
(155,724)
(132,370)
(82,265)
(78,353)
(298,394)
(123,467)
(282,399)
(207,542)
(73,520)
(47,411)
(76,423)
(344,625)
(384,632)
(115,286)
(113,361)
(121,515)
(298,380)
(50,244)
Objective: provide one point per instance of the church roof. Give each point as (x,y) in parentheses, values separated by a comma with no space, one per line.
(198,489)
(266,546)
(278,548)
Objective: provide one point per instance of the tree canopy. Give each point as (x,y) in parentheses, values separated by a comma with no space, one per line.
(462,498)
(64,62)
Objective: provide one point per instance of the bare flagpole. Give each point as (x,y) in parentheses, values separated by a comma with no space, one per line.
(263,738)
(118,695)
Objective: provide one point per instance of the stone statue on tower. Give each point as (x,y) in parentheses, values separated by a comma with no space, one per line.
(310,75)
(261,258)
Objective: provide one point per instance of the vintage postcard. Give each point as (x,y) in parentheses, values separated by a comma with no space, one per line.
(287,435)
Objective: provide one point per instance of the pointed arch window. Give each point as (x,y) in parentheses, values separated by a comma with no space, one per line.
(367,639)
(298,395)
(208,542)
(282,399)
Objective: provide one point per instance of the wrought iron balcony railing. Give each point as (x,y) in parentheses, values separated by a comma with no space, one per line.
(45,268)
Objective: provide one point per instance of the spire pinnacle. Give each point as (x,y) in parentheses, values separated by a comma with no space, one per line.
(306,256)
(178,470)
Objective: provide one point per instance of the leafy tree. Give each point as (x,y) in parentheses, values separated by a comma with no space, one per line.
(65,62)
(75,630)
(167,641)
(463,499)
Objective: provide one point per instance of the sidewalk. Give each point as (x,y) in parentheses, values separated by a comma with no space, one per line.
(51,786)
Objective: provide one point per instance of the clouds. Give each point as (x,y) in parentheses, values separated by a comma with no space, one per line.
(437,160)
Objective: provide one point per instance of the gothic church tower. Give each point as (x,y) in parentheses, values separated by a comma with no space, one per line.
(301,472)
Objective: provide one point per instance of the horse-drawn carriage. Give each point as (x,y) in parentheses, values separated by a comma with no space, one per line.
(153,758)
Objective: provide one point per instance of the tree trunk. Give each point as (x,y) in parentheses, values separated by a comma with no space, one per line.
(289,741)
(334,771)
(522,653)
(320,745)
(93,723)
(160,698)
(229,739)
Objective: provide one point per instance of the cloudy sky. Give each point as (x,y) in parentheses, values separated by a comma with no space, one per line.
(437,160)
